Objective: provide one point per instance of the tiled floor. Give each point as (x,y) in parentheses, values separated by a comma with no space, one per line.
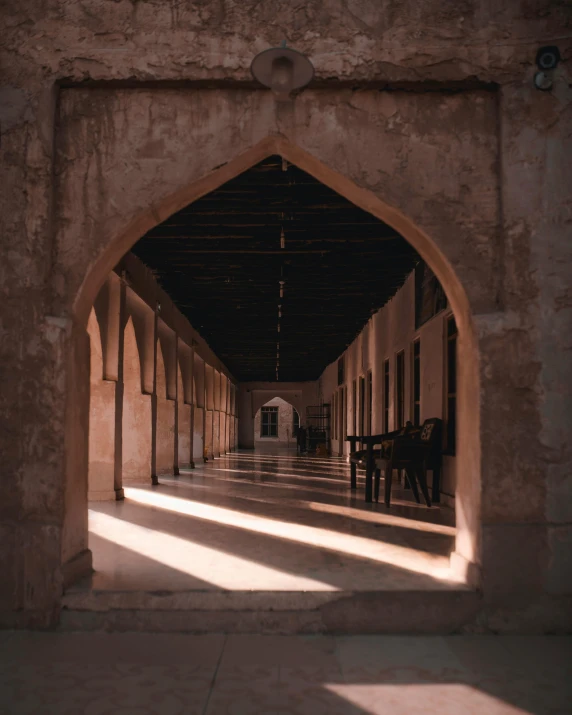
(139,674)
(255,521)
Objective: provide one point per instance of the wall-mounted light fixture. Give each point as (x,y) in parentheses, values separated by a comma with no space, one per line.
(282,70)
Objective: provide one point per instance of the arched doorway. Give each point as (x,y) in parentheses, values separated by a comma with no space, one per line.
(467,489)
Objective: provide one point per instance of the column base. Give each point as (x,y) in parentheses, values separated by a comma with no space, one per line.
(101,495)
(468,571)
(191,465)
(119,494)
(176,472)
(154,480)
(77,567)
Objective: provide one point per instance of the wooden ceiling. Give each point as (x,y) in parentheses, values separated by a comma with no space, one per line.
(221,261)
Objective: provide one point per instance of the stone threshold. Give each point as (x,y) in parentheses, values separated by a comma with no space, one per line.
(439,611)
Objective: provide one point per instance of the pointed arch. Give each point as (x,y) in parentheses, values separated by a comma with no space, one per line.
(468,495)
(285,433)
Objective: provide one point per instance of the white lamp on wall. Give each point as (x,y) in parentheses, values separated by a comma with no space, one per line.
(282,70)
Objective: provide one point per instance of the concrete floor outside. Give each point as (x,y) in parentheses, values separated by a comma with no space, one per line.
(172,674)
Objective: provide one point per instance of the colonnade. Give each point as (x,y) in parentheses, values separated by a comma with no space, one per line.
(157,401)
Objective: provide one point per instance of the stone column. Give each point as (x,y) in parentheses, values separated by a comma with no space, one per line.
(204,455)
(119,299)
(192,380)
(154,478)
(227,421)
(176,407)
(103,329)
(213,448)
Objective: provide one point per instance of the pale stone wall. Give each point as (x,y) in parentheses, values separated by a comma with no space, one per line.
(285,420)
(389,331)
(140,417)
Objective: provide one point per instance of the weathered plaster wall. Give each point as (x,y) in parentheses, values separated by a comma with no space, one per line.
(512,255)
(285,418)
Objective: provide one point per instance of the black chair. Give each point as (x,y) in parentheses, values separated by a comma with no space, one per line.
(366,458)
(415,452)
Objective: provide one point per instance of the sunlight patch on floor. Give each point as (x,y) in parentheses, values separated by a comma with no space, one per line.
(372,517)
(408,698)
(355,546)
(197,560)
(335,462)
(215,478)
(258,472)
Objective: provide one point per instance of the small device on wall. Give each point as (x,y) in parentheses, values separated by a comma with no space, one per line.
(547,59)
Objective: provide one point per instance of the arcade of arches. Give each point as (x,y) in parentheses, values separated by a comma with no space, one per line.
(379,254)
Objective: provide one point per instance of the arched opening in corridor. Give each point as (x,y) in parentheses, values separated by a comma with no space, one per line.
(276,425)
(396,339)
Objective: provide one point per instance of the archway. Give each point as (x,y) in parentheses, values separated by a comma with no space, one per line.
(275,424)
(468,487)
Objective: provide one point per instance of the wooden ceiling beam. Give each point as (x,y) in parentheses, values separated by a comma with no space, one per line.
(220,261)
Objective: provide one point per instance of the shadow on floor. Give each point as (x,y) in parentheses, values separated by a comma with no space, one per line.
(201,544)
(329,513)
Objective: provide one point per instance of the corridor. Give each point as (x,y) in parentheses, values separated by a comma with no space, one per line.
(255,523)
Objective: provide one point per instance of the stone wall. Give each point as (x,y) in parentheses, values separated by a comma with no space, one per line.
(114,115)
(389,331)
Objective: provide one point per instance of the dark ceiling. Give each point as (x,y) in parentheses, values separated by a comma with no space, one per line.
(220,259)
